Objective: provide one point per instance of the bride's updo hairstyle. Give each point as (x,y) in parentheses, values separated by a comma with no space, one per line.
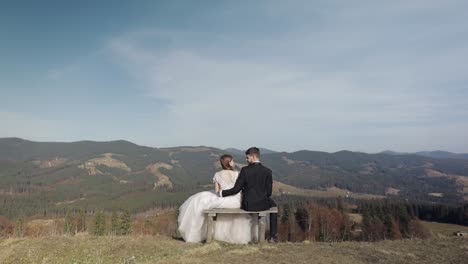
(225,161)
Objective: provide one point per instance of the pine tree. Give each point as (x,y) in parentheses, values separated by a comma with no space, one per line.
(19,227)
(286,213)
(99,224)
(81,221)
(387,221)
(114,223)
(403,220)
(125,223)
(366,223)
(68,225)
(339,204)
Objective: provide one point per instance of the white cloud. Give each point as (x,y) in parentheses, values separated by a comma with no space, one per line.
(325,75)
(331,73)
(210,94)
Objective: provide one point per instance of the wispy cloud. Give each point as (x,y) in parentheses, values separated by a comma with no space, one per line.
(326,75)
(381,88)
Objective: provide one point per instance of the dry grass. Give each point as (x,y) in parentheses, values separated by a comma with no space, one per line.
(463,181)
(392,191)
(160,249)
(433,173)
(161,178)
(356,218)
(460,179)
(443,230)
(106,160)
(49,163)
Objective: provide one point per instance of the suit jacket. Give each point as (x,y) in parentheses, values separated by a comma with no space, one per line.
(256,182)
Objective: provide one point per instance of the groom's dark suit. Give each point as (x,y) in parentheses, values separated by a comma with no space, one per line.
(256,183)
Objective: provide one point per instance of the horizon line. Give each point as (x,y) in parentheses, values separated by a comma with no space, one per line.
(392,152)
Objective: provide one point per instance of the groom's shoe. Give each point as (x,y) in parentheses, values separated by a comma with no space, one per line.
(273,240)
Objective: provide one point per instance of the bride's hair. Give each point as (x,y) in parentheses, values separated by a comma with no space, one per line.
(225,160)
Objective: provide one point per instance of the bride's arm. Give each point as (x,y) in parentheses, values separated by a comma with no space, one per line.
(216,187)
(240,182)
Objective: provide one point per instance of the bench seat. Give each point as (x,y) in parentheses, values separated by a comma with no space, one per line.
(258,224)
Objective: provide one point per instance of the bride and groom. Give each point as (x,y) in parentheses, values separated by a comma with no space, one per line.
(250,190)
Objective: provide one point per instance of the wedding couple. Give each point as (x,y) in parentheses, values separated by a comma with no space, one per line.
(250,190)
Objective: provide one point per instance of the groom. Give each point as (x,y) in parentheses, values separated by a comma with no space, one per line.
(256,182)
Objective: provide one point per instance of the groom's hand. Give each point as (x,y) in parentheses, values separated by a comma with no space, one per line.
(220,193)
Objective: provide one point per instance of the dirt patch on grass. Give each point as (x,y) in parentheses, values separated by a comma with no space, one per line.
(106,160)
(434,173)
(367,169)
(356,218)
(463,181)
(392,191)
(49,163)
(161,179)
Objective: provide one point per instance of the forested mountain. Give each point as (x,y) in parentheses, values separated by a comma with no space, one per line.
(408,175)
(234,151)
(38,177)
(443,154)
(438,154)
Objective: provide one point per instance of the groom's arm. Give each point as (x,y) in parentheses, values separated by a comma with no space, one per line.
(269,183)
(237,186)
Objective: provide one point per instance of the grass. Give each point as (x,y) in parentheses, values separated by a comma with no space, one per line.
(160,249)
(329,193)
(441,229)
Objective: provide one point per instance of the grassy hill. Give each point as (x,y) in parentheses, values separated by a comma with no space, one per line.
(160,249)
(47,177)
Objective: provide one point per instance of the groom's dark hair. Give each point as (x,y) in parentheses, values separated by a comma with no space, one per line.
(253,151)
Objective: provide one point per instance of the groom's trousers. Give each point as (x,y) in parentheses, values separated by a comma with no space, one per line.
(274,225)
(273,222)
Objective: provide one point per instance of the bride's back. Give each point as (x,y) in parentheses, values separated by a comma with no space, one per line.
(226,178)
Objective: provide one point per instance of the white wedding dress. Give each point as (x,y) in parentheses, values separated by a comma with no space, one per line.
(231,228)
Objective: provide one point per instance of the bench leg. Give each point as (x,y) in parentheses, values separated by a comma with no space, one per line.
(261,228)
(254,228)
(210,227)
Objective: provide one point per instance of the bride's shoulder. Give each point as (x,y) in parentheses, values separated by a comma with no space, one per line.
(226,172)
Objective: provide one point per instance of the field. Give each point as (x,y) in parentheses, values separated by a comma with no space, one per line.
(84,248)
(161,249)
(441,229)
(333,192)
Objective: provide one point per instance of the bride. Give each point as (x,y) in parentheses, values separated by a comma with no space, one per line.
(229,227)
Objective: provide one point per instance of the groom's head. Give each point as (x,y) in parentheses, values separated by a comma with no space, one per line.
(252,155)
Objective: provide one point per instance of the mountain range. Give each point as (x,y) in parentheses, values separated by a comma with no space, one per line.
(239,152)
(439,154)
(36,177)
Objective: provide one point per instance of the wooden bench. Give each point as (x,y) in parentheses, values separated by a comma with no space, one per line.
(258,223)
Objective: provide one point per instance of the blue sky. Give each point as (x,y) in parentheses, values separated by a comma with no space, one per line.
(287,75)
